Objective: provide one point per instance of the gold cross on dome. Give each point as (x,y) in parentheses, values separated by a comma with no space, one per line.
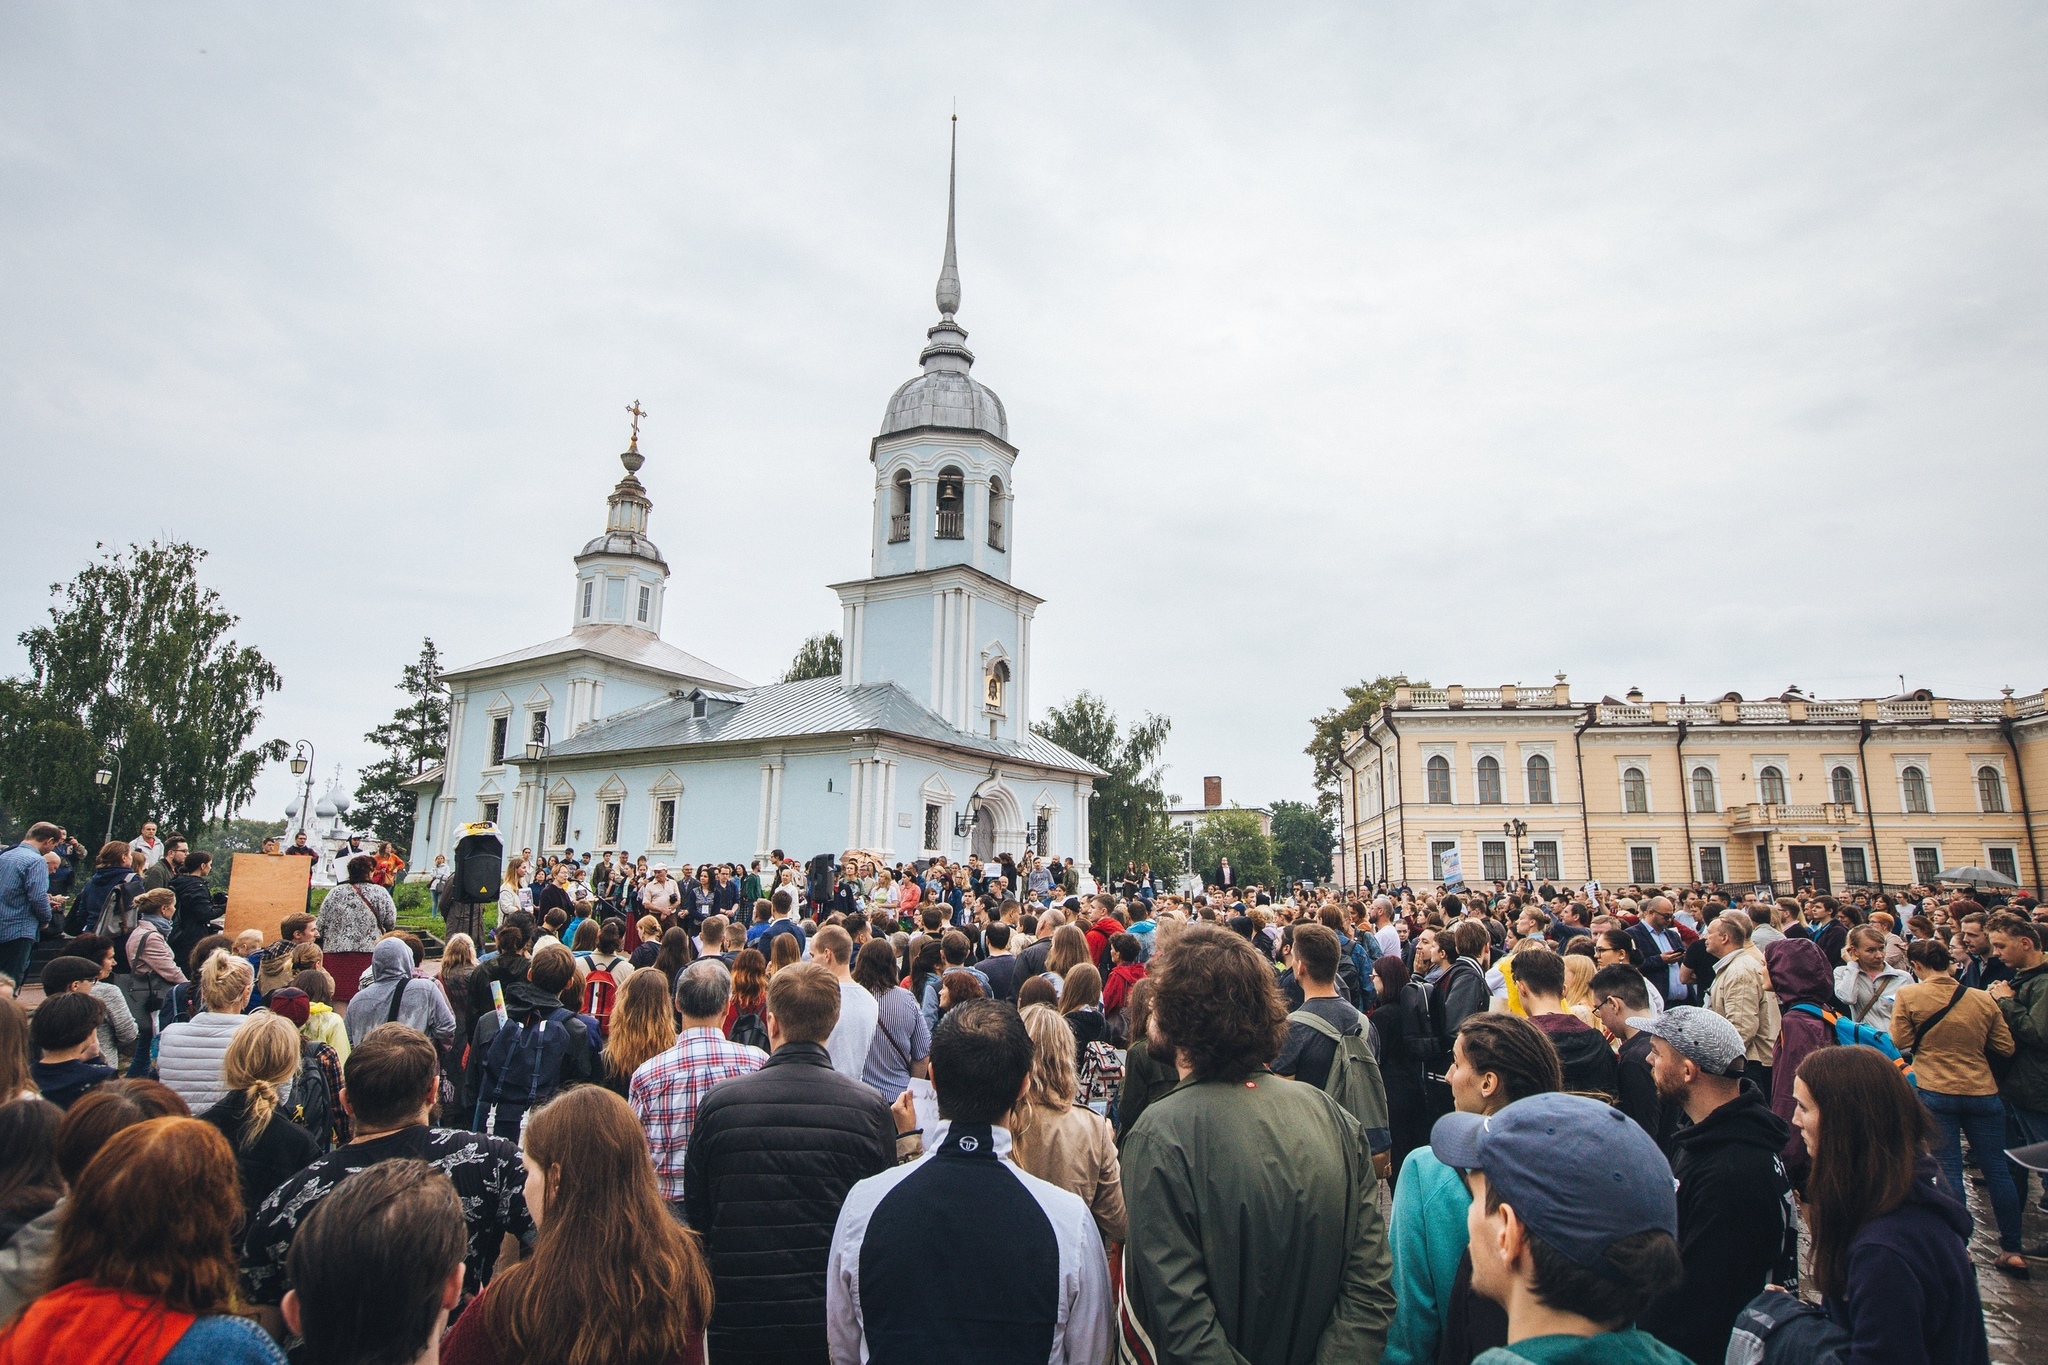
(638,412)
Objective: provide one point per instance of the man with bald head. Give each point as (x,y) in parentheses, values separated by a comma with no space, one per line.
(1658,941)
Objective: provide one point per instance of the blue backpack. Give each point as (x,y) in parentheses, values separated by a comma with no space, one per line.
(1849,1033)
(524,1063)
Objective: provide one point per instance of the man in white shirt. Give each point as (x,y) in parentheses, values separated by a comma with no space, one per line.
(934,1220)
(848,1046)
(151,846)
(1386,933)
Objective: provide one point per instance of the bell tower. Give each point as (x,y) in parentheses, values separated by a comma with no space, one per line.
(621,577)
(938,616)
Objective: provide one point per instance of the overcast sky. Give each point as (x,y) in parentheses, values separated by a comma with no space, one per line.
(1689,348)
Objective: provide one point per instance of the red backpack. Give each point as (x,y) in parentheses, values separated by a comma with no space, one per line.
(600,993)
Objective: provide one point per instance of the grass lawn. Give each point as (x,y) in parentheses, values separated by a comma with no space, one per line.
(415,909)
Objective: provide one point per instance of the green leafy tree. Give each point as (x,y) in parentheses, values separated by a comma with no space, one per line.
(413,741)
(817,657)
(1127,819)
(1235,834)
(138,658)
(1327,748)
(225,838)
(1303,836)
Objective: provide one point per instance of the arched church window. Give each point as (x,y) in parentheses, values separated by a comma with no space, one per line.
(1438,774)
(1539,780)
(1770,786)
(996,514)
(952,504)
(1842,787)
(899,508)
(995,685)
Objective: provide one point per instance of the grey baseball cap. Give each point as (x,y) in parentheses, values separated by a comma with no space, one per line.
(1700,1036)
(1579,1173)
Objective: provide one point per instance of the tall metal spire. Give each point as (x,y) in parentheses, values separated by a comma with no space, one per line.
(949,273)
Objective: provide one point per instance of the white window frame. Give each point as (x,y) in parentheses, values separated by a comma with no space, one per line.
(501,709)
(645,611)
(1712,763)
(1635,846)
(1757,764)
(488,810)
(1720,851)
(1556,872)
(1862,850)
(1498,753)
(667,787)
(1437,846)
(1828,764)
(1548,753)
(2011,851)
(1995,762)
(1784,798)
(1621,768)
(1913,851)
(1924,762)
(1449,754)
(1487,846)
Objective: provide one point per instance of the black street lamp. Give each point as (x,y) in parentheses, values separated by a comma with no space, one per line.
(112,782)
(1515,829)
(537,752)
(302,766)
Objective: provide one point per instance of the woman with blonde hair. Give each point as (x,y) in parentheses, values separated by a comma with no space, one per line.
(191,1055)
(629,1287)
(1060,1141)
(262,1061)
(643,1027)
(1578,987)
(145,1262)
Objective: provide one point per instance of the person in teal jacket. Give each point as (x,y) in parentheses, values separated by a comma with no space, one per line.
(1496,1060)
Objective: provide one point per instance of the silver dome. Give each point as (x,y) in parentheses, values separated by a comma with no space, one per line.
(947,398)
(627,544)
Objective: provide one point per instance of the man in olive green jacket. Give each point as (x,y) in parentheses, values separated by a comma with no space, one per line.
(2024,999)
(1255,1229)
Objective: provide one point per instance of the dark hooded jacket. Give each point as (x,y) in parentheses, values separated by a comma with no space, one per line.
(1800,975)
(1588,1062)
(525,1001)
(193,919)
(1912,1290)
(1736,1227)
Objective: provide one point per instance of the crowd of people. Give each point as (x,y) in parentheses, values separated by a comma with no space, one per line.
(841,1109)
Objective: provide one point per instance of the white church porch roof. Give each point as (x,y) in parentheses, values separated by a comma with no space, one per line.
(621,644)
(815,706)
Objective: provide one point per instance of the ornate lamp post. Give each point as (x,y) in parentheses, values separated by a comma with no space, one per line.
(112,782)
(302,766)
(537,752)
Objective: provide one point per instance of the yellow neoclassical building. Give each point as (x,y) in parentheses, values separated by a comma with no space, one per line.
(1791,790)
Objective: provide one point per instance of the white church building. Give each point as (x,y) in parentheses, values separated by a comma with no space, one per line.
(609,737)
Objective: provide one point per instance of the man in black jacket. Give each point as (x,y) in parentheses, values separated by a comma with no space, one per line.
(1737,1229)
(770,1161)
(1461,991)
(1619,995)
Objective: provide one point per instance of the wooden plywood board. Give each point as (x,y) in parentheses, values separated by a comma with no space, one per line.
(263,888)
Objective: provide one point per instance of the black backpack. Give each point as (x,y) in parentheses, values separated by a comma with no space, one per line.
(749,1031)
(524,1064)
(312,1102)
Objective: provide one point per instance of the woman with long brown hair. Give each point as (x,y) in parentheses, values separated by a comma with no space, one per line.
(643,1026)
(628,1287)
(749,986)
(1069,949)
(784,953)
(676,953)
(1890,1247)
(1081,1006)
(145,1259)
(15,1077)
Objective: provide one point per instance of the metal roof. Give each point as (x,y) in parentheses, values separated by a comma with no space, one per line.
(625,644)
(815,706)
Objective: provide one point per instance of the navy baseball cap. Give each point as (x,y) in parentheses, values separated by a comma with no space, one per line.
(1579,1173)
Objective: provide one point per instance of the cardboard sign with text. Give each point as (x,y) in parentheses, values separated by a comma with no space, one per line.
(263,888)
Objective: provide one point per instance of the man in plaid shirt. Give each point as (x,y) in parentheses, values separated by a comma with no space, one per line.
(666,1089)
